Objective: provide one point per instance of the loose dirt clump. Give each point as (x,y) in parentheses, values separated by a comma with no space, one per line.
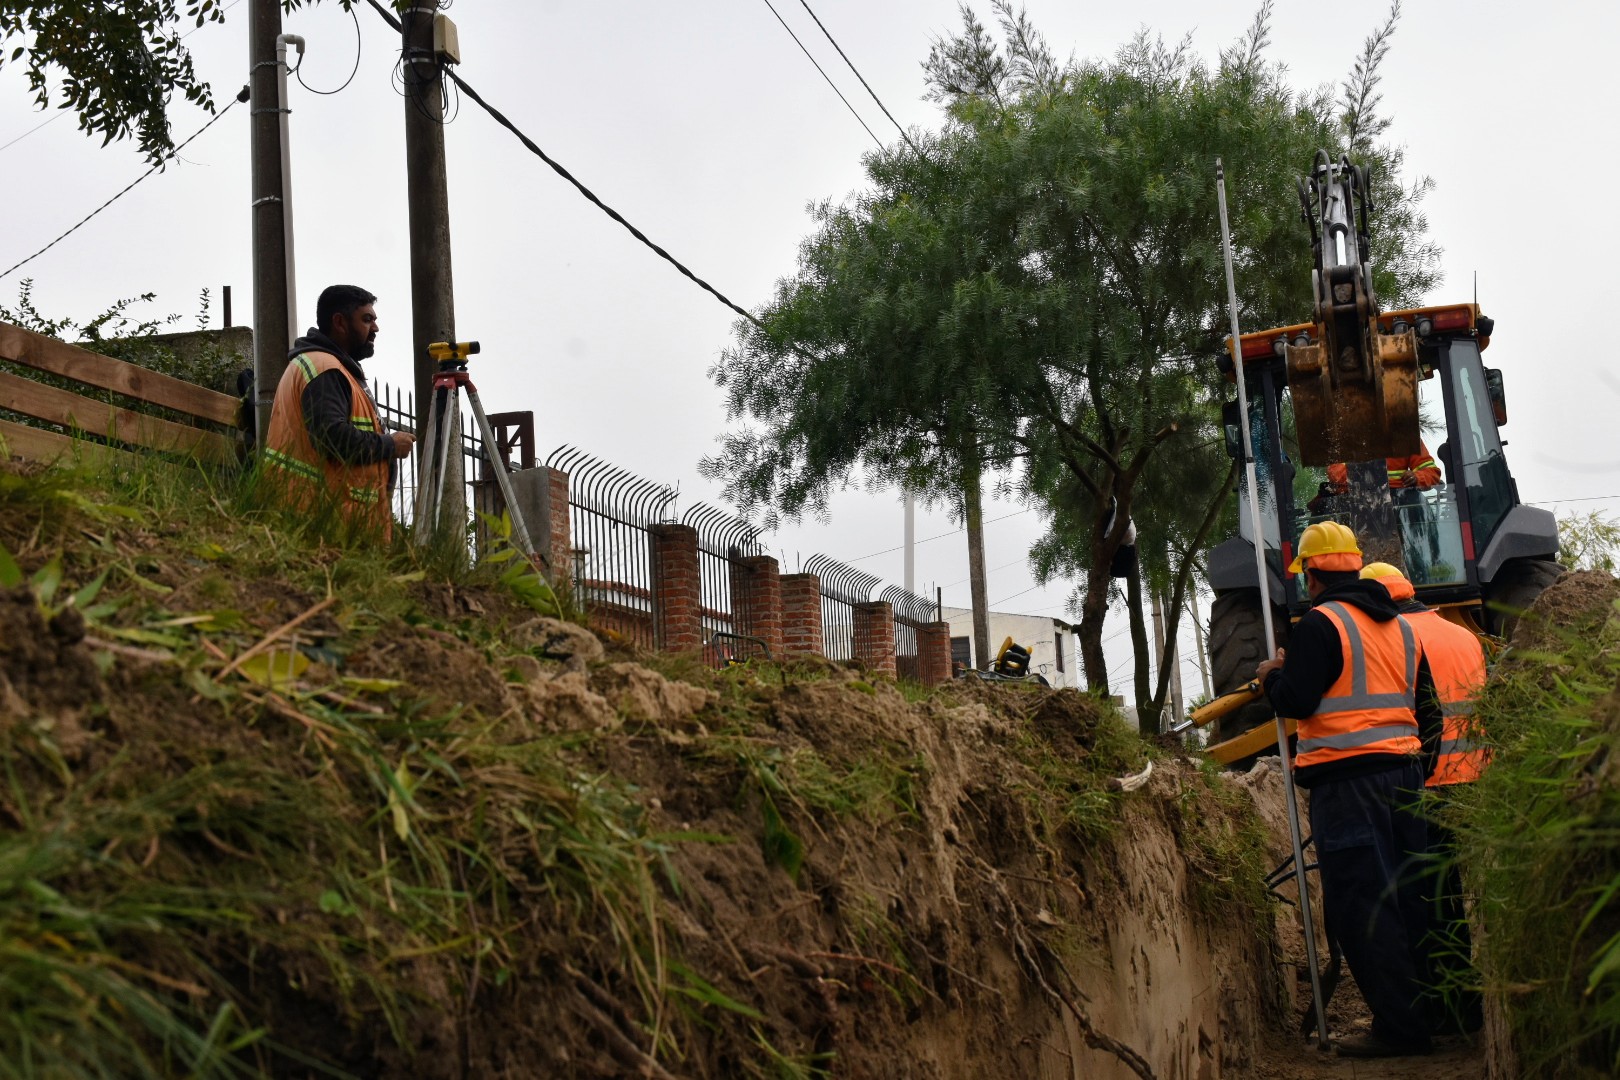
(1572,607)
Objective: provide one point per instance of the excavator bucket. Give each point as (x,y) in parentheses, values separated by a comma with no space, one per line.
(1360,405)
(1354,387)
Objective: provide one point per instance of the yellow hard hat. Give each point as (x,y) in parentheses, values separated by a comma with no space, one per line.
(1329,546)
(1391,578)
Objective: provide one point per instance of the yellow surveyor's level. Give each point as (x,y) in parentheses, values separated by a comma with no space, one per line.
(443,351)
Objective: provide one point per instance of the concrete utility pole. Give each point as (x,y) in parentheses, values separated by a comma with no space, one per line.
(269,221)
(910,574)
(433,310)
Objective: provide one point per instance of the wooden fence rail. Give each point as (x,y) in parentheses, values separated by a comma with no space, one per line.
(76,413)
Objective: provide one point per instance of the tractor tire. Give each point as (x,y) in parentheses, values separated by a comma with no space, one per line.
(1514,590)
(1237,637)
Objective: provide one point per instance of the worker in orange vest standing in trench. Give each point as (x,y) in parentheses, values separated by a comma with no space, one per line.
(1354,677)
(327,442)
(1457,662)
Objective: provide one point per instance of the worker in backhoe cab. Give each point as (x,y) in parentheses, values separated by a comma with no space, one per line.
(1416,473)
(1354,677)
(327,442)
(1457,662)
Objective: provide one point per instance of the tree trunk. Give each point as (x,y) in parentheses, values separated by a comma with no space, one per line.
(1088,631)
(1147,709)
(973,517)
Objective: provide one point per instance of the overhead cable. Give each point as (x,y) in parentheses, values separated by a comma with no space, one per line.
(556,167)
(172,154)
(824,74)
(861,77)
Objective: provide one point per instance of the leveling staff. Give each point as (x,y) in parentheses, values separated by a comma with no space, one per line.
(326,438)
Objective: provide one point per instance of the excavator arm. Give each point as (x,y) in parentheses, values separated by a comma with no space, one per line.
(1354,387)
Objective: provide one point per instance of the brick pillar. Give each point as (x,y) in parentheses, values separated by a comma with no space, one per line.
(934,653)
(801,615)
(874,635)
(677,591)
(559,545)
(756,600)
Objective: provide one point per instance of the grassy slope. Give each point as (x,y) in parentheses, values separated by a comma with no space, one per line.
(1540,838)
(461,841)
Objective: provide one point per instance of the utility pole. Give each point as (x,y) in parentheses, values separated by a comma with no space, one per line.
(433,311)
(269,220)
(911,544)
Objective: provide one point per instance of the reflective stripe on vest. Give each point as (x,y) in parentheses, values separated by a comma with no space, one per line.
(358,489)
(1353,718)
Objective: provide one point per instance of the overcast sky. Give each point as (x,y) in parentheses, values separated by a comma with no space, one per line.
(703,123)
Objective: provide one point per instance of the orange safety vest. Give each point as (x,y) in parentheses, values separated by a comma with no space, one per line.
(360,492)
(1426,472)
(1371,706)
(1457,663)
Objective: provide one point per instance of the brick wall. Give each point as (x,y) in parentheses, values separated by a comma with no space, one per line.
(756,600)
(874,636)
(677,587)
(801,615)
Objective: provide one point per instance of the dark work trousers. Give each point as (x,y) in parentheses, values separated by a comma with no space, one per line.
(1452,996)
(1369,840)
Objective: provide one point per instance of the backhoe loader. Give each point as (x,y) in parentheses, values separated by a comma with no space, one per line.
(1359,386)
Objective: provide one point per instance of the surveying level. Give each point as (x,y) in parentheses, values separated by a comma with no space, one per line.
(448,382)
(448,351)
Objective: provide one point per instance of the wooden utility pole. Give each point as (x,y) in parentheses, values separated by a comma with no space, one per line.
(269,222)
(433,310)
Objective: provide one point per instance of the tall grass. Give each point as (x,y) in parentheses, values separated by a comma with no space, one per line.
(1539,839)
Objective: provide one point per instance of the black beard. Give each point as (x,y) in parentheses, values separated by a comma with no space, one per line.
(363,350)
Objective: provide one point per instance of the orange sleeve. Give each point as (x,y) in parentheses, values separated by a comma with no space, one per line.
(1424,469)
(1339,475)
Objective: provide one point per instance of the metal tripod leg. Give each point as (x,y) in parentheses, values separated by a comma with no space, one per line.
(520,530)
(435,460)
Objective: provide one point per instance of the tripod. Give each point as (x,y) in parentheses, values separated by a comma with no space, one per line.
(448,382)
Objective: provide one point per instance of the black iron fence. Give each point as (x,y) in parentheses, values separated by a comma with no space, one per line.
(610,511)
(911,614)
(723,539)
(842,587)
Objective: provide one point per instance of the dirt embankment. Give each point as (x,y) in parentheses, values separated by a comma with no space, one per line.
(459,840)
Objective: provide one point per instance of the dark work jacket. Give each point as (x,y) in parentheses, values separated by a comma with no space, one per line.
(1315,662)
(329,408)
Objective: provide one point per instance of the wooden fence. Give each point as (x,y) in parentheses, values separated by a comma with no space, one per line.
(197,436)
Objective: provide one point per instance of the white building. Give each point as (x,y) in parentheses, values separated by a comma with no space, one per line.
(1051,643)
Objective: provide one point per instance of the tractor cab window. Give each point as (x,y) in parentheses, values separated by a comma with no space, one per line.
(1475,450)
(1264,470)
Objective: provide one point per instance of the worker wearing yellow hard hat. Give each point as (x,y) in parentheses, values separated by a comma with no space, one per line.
(1353,675)
(1457,756)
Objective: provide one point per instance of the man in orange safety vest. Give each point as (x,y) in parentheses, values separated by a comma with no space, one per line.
(1355,678)
(1457,661)
(327,443)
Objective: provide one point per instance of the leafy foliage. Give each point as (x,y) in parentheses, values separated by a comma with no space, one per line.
(1042,285)
(117,65)
(1589,541)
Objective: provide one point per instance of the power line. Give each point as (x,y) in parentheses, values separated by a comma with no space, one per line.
(298,70)
(243,96)
(940,536)
(861,77)
(824,75)
(556,167)
(1586,498)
